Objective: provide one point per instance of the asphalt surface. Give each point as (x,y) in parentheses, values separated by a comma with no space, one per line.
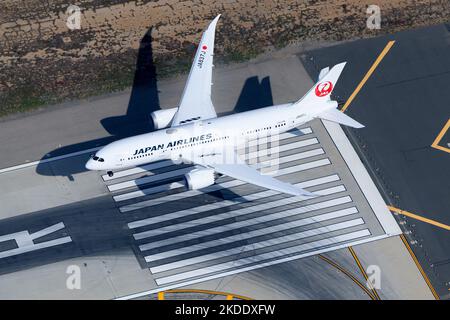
(404,105)
(92,225)
(38,197)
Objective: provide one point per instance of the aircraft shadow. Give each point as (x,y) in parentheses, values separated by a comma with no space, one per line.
(144,99)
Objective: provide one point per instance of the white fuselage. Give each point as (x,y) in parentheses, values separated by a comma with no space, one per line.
(211,134)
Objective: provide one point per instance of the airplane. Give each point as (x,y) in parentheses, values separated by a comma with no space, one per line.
(192,133)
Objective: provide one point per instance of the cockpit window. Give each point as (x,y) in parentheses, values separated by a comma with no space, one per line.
(95,158)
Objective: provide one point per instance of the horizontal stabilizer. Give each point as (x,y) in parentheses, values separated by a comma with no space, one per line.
(335,115)
(323,73)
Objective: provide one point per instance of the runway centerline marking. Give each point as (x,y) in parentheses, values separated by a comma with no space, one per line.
(420,218)
(438,139)
(368,74)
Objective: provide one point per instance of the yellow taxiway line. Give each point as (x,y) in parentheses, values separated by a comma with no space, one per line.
(436,141)
(420,218)
(369,283)
(228,296)
(368,74)
(348,274)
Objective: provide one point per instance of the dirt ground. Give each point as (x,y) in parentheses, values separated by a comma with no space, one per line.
(42,61)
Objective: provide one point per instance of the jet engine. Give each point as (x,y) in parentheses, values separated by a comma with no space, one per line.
(163,118)
(199,178)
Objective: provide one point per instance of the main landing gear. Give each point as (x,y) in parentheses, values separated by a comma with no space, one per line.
(110,173)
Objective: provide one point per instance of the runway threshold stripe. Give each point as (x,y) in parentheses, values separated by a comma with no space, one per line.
(154,178)
(241,224)
(224,215)
(173,173)
(143,169)
(149,191)
(240,199)
(282,239)
(215,187)
(166,163)
(266,231)
(314,245)
(280,172)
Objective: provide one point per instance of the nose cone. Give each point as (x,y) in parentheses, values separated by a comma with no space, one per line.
(90,165)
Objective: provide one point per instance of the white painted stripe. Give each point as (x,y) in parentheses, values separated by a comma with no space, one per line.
(272,153)
(34,247)
(169,174)
(257,245)
(154,178)
(235,213)
(239,224)
(266,139)
(47,231)
(143,169)
(280,172)
(20,236)
(265,256)
(252,267)
(35,163)
(221,204)
(166,163)
(254,233)
(215,187)
(282,239)
(149,191)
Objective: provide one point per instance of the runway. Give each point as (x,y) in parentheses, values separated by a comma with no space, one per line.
(182,237)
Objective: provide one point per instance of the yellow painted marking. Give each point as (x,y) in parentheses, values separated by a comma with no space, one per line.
(417,217)
(438,139)
(422,272)
(358,262)
(226,294)
(348,274)
(161,295)
(368,74)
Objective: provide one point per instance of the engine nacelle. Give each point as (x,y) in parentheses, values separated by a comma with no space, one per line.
(199,178)
(163,118)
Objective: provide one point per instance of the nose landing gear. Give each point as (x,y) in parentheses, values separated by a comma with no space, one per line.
(110,173)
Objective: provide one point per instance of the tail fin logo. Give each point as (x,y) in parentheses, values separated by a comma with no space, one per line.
(324,88)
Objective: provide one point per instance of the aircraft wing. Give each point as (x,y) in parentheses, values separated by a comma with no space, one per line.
(196,101)
(238,169)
